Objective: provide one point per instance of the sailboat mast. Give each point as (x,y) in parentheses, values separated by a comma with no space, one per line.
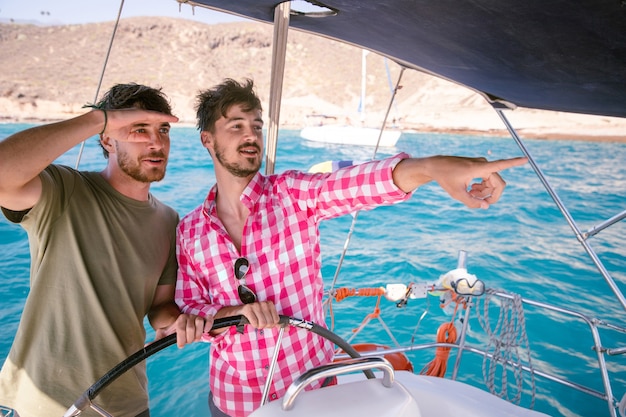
(363,84)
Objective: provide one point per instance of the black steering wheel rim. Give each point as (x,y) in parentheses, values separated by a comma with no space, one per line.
(85,399)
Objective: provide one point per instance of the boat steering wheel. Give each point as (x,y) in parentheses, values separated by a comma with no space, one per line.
(85,399)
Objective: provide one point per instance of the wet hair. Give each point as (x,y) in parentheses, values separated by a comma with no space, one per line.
(124,96)
(213,103)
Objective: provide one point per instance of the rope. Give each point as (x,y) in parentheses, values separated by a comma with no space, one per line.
(509,345)
(445,334)
(343,293)
(437,367)
(373,315)
(104,65)
(355,215)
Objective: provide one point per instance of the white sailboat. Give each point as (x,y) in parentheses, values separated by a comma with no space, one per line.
(348,133)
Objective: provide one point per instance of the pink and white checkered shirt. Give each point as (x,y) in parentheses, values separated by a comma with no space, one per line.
(282,243)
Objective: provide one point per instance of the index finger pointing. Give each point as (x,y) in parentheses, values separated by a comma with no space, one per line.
(502,164)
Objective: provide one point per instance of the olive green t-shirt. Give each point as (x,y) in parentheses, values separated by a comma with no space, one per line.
(97,257)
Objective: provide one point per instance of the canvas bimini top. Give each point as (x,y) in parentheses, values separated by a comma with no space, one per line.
(558,55)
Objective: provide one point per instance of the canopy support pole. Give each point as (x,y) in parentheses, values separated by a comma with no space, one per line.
(568,217)
(279,52)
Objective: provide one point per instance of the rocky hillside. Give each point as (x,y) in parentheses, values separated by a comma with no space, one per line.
(49,72)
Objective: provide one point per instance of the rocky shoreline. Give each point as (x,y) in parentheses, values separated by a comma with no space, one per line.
(49,73)
(531,124)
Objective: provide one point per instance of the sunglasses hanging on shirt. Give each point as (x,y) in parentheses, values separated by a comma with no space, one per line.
(246,295)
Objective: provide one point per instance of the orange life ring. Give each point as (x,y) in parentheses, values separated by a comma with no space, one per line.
(398,360)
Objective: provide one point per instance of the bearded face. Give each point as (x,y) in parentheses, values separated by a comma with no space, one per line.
(242,168)
(135,167)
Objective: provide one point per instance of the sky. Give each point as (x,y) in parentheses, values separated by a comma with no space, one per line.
(90,11)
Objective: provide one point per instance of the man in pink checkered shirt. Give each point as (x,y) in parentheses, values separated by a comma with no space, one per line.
(252,247)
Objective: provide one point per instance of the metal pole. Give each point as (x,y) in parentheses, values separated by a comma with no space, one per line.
(565,212)
(279,51)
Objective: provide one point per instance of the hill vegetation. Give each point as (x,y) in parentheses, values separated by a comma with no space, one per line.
(50,72)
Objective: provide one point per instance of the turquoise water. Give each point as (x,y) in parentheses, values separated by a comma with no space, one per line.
(522,245)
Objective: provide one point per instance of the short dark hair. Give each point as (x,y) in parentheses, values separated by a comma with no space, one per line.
(215,102)
(125,96)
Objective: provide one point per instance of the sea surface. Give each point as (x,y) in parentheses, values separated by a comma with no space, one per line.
(521,245)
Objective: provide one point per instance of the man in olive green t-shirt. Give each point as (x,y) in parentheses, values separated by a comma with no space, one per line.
(102,256)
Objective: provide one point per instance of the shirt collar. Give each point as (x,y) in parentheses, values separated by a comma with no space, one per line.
(249,197)
(253,191)
(208,206)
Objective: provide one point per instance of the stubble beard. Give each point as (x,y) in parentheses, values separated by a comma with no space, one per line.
(133,168)
(237,169)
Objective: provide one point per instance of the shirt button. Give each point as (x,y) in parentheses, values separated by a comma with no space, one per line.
(267,367)
(260,332)
(274,396)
